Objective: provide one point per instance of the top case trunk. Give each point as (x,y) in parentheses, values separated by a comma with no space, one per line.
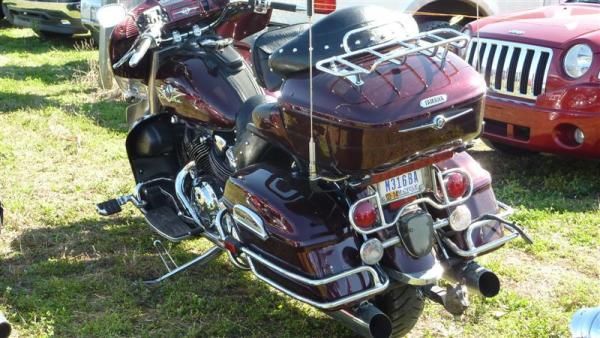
(378,124)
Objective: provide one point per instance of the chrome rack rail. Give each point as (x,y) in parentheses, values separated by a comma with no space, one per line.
(430,43)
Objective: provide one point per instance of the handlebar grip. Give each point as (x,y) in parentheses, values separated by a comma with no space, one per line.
(283,6)
(140,51)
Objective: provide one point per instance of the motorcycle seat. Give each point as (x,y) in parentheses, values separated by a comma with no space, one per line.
(329,32)
(264,46)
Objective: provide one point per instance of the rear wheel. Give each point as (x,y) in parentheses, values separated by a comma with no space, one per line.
(404,305)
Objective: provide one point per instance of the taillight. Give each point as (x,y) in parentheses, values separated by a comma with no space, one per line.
(365,215)
(456,185)
(325,6)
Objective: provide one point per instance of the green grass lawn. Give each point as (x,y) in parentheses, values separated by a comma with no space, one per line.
(67,272)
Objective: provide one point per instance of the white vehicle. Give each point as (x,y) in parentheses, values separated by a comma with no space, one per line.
(430,14)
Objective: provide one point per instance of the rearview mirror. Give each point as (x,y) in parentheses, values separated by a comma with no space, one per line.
(111,15)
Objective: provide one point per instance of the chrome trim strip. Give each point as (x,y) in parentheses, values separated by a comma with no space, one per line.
(486,55)
(249,220)
(445,204)
(506,69)
(438,122)
(519,71)
(379,284)
(533,72)
(495,61)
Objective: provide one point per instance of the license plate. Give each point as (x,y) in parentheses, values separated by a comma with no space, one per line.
(401,186)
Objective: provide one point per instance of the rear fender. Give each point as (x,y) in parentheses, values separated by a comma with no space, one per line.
(483,200)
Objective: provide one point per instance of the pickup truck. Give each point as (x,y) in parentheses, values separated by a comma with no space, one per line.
(46,18)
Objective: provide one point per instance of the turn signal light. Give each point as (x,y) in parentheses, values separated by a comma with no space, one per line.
(456,185)
(325,6)
(365,215)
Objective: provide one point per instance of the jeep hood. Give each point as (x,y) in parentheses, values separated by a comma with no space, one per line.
(552,26)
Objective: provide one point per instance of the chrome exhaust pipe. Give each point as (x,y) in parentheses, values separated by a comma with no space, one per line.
(367,321)
(5,328)
(476,277)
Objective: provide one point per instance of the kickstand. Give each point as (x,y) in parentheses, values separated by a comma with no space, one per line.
(173,268)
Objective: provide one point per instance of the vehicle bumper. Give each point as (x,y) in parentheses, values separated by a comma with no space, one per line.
(547,125)
(55,17)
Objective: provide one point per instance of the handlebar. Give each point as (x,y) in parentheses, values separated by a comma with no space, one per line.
(152,37)
(143,46)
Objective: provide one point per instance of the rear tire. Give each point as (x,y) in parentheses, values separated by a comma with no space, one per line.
(404,305)
(507,149)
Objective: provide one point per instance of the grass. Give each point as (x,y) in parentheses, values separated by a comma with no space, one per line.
(67,272)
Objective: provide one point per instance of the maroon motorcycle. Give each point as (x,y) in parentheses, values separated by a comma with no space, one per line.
(328,159)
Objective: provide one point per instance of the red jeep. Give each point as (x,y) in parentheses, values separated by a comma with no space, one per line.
(542,70)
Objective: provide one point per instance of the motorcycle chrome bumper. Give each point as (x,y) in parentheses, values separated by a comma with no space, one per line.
(380,281)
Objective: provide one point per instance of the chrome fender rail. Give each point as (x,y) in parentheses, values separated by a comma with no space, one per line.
(514,231)
(381,282)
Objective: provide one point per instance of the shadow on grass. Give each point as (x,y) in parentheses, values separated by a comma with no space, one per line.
(106,112)
(35,45)
(48,74)
(84,279)
(543,181)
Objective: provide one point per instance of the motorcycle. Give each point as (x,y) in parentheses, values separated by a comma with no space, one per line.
(327,159)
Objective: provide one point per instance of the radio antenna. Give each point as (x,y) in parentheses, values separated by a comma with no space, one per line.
(312,160)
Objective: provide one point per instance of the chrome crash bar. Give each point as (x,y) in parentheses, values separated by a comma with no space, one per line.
(380,282)
(514,231)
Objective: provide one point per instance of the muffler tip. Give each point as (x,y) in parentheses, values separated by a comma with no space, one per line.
(380,326)
(5,328)
(489,284)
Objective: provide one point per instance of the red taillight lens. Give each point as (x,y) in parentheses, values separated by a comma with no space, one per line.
(365,215)
(231,246)
(456,185)
(325,6)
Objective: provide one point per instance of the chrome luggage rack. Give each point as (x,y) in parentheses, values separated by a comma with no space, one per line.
(396,51)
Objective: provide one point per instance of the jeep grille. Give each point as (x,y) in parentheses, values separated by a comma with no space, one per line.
(510,68)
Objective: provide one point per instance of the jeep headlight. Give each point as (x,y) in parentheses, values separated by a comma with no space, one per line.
(578,60)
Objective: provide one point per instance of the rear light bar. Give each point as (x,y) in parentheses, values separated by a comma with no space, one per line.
(325,6)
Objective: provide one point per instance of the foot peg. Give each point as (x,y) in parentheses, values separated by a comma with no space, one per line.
(173,268)
(113,206)
(109,207)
